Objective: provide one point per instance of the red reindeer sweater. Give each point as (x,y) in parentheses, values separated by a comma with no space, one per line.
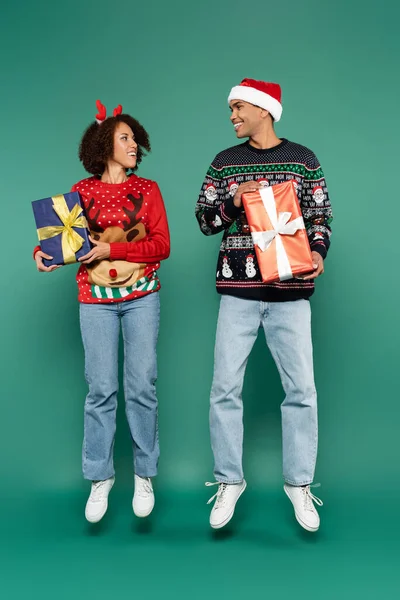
(131,217)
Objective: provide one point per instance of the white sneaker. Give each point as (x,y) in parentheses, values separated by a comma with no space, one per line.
(143,498)
(303,503)
(225,501)
(97,504)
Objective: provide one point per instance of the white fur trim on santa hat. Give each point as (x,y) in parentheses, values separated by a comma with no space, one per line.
(253,96)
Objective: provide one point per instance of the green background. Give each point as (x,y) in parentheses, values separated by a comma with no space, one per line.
(172,65)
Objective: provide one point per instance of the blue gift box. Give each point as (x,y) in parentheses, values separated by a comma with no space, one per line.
(62,228)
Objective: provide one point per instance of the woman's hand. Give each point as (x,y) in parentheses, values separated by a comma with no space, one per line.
(39,256)
(100,251)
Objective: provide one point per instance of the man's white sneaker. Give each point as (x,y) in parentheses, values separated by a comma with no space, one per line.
(225,501)
(303,503)
(143,498)
(97,504)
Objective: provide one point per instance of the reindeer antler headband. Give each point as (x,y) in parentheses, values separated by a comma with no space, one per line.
(102,112)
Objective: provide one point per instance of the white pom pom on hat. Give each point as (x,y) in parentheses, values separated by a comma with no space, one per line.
(260,93)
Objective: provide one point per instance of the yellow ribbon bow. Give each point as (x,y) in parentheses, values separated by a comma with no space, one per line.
(71,241)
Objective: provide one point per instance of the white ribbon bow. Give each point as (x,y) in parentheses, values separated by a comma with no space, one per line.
(281,226)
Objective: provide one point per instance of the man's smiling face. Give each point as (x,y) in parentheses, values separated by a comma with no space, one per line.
(246,118)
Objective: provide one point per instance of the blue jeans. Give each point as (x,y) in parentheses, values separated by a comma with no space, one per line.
(287,327)
(100,328)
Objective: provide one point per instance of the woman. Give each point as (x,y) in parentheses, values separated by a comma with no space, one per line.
(118,286)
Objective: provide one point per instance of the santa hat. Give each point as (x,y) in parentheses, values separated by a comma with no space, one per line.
(260,93)
(209,186)
(317,189)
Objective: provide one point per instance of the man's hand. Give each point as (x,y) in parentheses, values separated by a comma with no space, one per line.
(39,256)
(100,251)
(246,187)
(318,265)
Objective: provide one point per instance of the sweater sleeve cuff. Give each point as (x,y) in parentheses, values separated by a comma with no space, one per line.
(229,211)
(37,248)
(118,251)
(321,249)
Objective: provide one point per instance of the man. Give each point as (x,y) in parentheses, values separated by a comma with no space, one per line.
(282,309)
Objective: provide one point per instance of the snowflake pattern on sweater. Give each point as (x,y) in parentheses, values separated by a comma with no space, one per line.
(216,213)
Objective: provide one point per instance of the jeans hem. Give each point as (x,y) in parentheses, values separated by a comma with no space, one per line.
(146,474)
(87,478)
(296,484)
(229,482)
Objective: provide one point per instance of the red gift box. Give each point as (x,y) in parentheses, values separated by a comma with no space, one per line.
(278,232)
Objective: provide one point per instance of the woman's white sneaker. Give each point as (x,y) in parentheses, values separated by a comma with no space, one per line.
(97,504)
(303,503)
(143,498)
(225,501)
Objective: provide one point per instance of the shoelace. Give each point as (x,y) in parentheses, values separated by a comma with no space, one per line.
(144,488)
(309,497)
(220,495)
(97,490)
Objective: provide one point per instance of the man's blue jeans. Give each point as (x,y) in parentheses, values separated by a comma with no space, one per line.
(100,327)
(287,327)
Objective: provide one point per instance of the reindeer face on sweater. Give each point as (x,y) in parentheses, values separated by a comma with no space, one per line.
(116,273)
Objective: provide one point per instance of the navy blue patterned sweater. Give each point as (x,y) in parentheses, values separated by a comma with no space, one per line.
(237,269)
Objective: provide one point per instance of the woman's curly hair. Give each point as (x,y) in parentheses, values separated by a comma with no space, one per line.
(97,143)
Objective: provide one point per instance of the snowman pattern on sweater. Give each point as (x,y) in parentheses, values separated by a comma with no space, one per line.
(226,269)
(250,267)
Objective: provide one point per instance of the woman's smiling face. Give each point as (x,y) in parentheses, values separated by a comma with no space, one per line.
(125,147)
